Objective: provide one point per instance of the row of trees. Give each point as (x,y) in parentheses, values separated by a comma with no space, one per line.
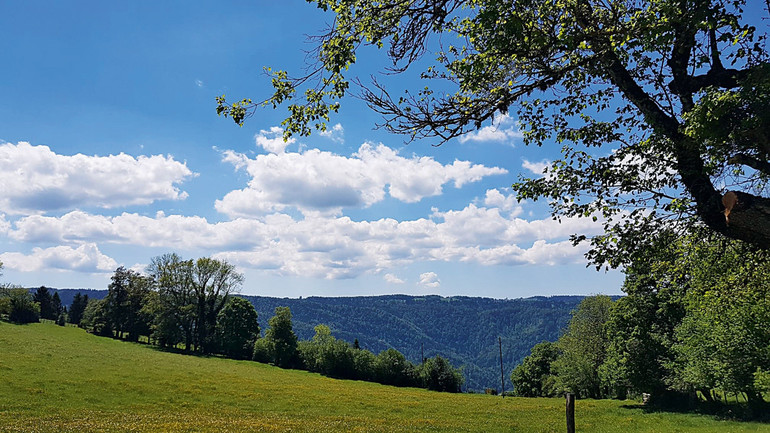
(696,318)
(21,306)
(189,304)
(329,356)
(177,302)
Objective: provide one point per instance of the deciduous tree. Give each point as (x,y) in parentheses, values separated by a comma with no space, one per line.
(281,338)
(659,107)
(18,304)
(725,336)
(583,348)
(96,319)
(534,376)
(213,282)
(237,328)
(174,309)
(437,374)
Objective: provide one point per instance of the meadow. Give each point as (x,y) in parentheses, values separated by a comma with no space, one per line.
(62,379)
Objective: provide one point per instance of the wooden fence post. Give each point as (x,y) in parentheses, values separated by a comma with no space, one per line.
(570,412)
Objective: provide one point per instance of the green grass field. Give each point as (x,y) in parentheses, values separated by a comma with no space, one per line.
(62,379)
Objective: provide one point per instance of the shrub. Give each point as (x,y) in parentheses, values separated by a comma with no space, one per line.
(22,309)
(438,375)
(95,319)
(263,351)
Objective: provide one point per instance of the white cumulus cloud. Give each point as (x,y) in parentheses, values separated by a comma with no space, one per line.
(85,258)
(329,246)
(430,280)
(536,167)
(34,179)
(322,181)
(392,279)
(508,203)
(335,133)
(272,140)
(502,129)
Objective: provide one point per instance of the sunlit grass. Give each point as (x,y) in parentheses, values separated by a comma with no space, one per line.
(61,379)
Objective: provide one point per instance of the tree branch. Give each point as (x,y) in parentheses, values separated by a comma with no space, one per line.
(684,41)
(750,161)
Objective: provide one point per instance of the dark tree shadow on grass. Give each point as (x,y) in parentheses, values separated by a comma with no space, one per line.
(744,412)
(179,351)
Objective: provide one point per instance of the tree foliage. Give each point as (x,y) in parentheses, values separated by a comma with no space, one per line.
(96,318)
(676,90)
(213,282)
(407,323)
(17,303)
(57,309)
(583,349)
(332,357)
(77,307)
(696,318)
(437,374)
(237,328)
(281,338)
(127,295)
(725,336)
(641,326)
(534,377)
(191,293)
(174,308)
(44,299)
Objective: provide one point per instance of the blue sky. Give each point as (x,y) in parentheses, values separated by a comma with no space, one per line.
(111,153)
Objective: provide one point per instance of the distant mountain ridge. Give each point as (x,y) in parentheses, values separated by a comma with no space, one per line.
(463,329)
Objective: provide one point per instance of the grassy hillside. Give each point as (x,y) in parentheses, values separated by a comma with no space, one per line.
(62,379)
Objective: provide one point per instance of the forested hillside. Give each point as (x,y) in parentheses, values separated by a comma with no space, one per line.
(462,329)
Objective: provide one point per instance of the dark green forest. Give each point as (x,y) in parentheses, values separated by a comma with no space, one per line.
(462,329)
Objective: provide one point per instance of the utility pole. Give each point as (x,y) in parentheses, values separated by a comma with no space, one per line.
(502,375)
(422,353)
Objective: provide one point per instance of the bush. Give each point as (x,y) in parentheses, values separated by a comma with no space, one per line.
(364,364)
(20,307)
(95,319)
(438,375)
(392,368)
(263,351)
(326,355)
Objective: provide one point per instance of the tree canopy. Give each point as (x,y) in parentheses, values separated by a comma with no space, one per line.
(696,318)
(659,107)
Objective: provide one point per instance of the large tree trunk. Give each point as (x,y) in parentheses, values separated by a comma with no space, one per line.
(748,220)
